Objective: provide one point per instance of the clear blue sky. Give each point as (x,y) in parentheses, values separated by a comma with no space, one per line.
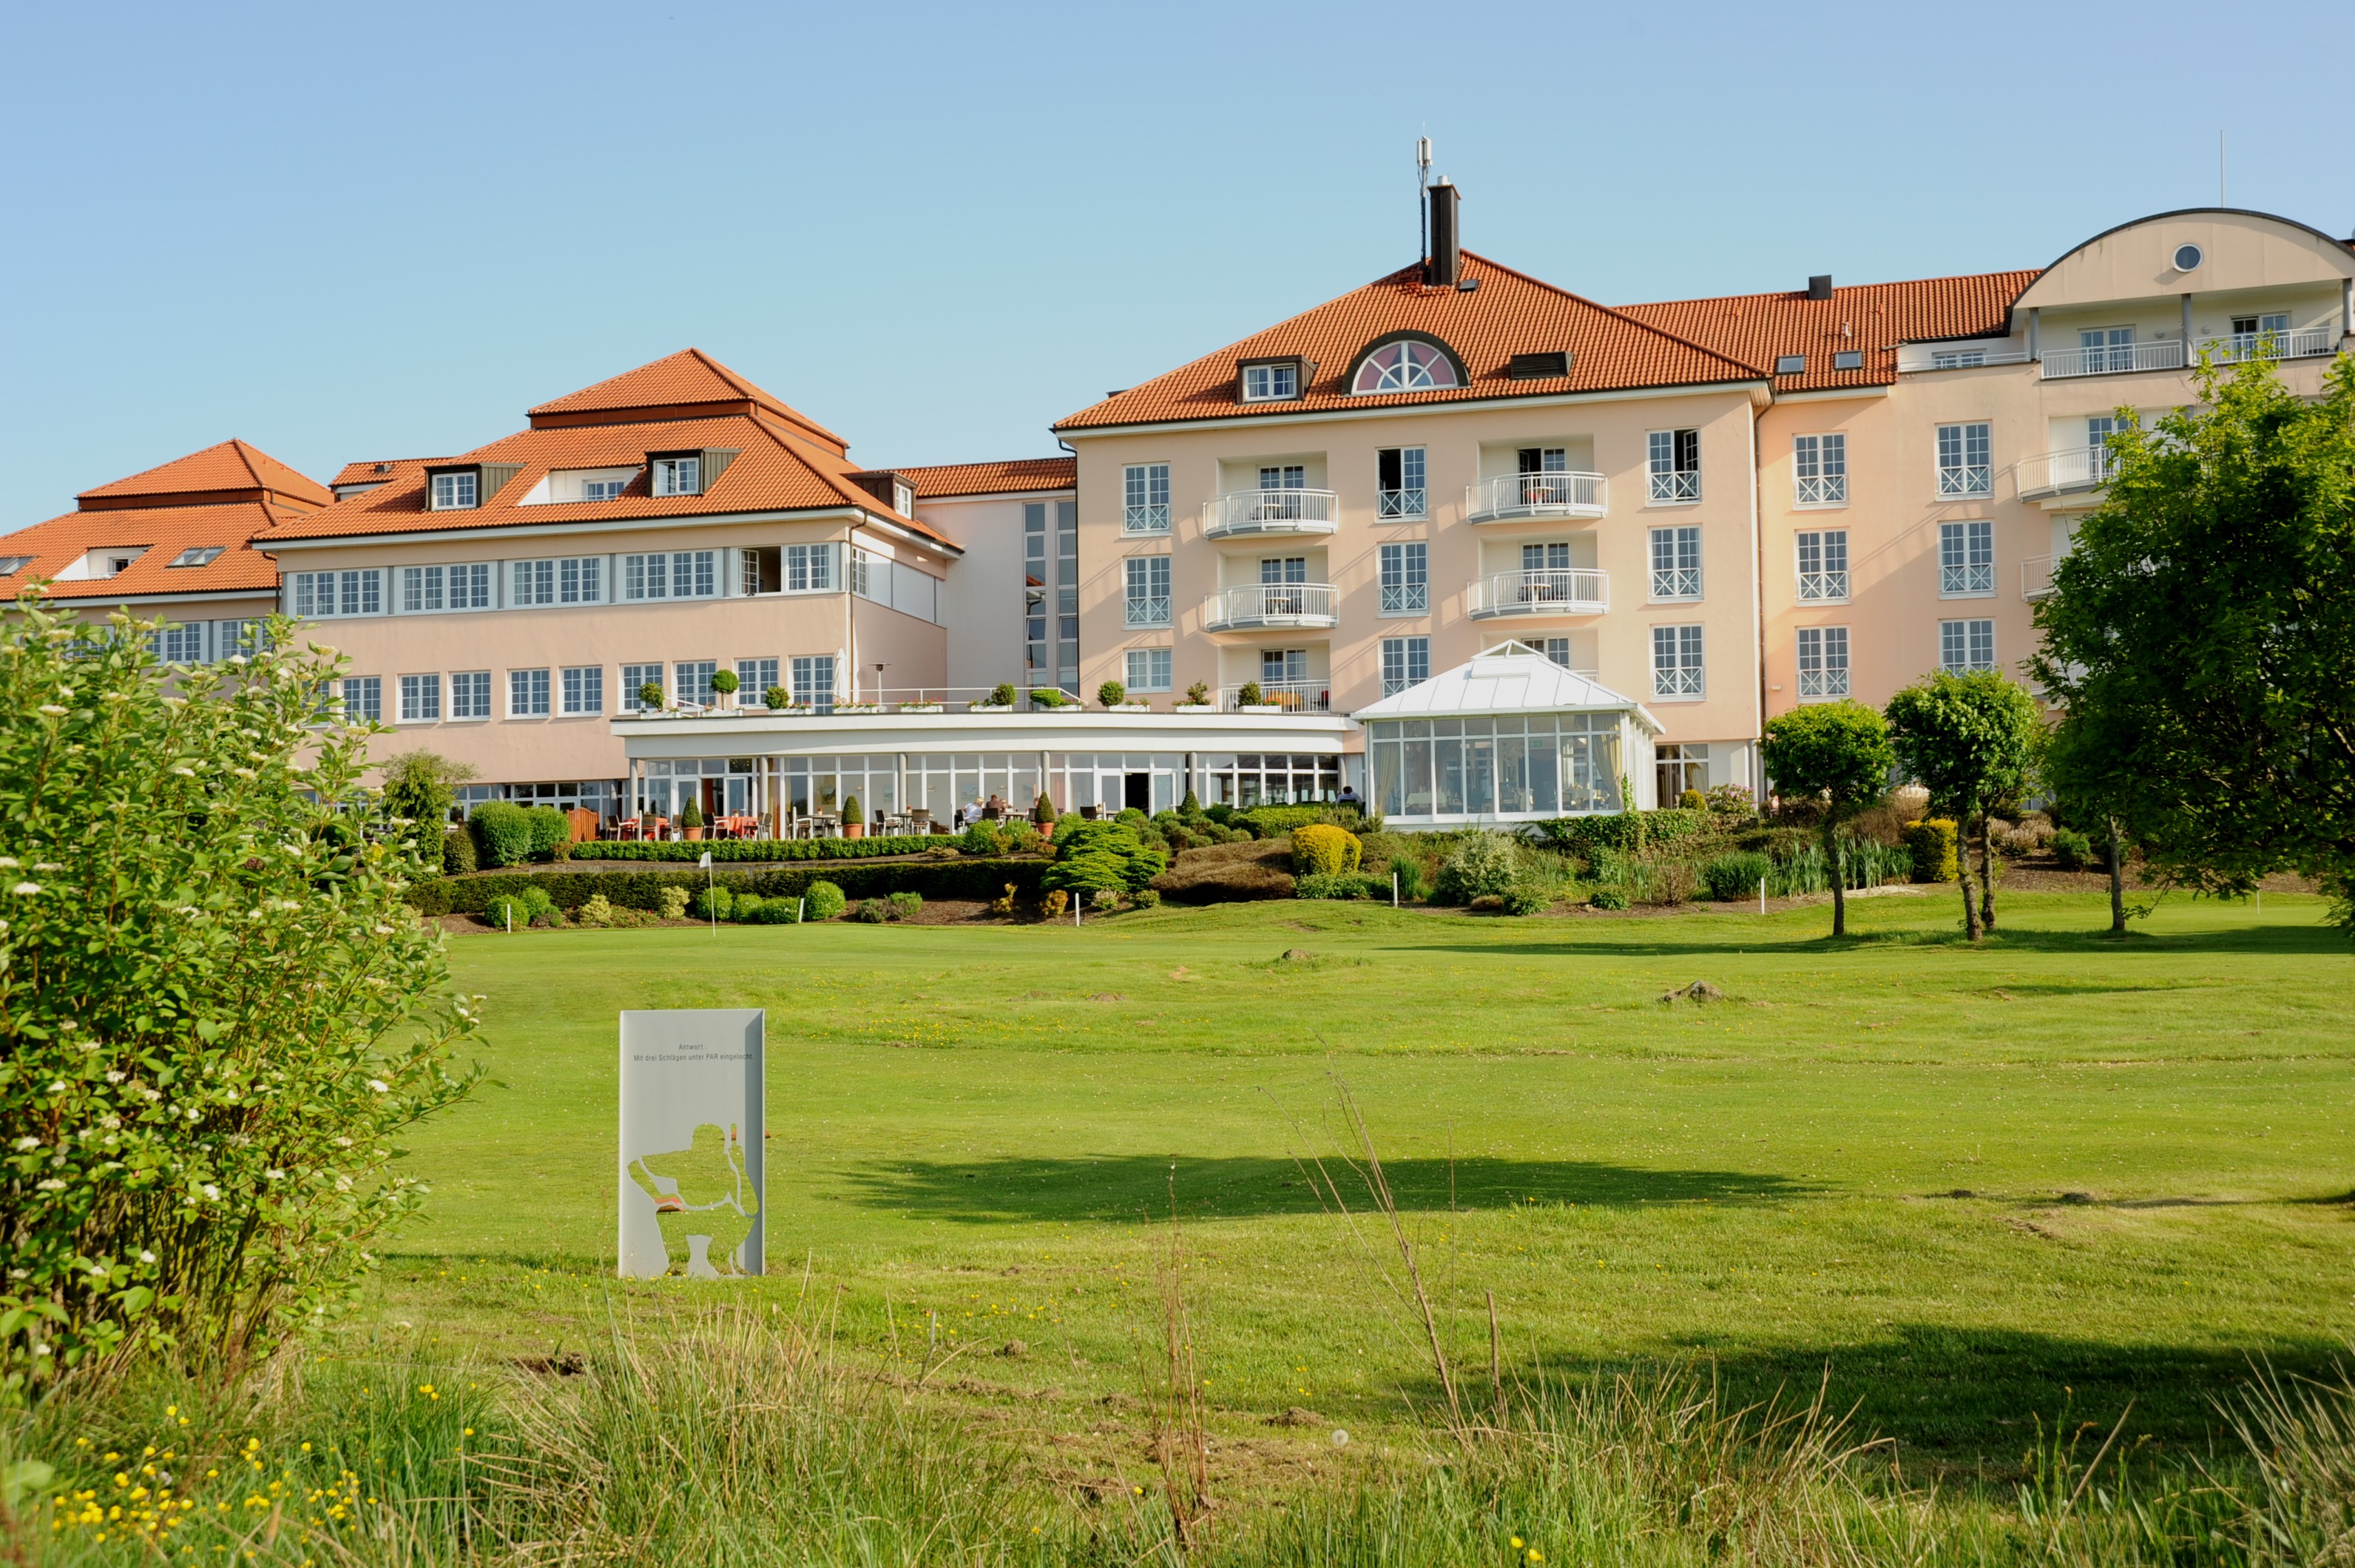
(354,231)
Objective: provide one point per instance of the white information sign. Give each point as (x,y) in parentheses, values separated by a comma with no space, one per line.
(691,1142)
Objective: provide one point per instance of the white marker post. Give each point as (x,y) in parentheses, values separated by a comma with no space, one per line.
(1394,889)
(710,901)
(691,1172)
(1762,895)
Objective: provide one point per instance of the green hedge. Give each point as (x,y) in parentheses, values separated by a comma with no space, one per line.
(759,849)
(1275,821)
(569,890)
(1585,834)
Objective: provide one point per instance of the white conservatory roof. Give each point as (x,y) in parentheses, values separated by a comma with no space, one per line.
(1511,678)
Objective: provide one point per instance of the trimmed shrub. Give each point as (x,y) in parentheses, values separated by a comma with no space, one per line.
(1608,897)
(1145,897)
(1341,885)
(769,912)
(724,682)
(457,852)
(1131,816)
(757,850)
(747,907)
(980,840)
(776,699)
(1321,850)
(673,904)
(904,905)
(1692,800)
(825,901)
(597,914)
(551,831)
(713,903)
(1056,904)
(1112,693)
(1732,878)
(1093,855)
(1049,696)
(1671,882)
(516,911)
(643,887)
(1526,896)
(1481,865)
(1582,835)
(1001,695)
(2073,849)
(690,816)
(1228,873)
(871,911)
(503,833)
(1932,842)
(1042,813)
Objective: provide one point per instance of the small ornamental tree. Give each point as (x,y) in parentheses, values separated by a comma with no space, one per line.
(1112,694)
(423,787)
(1969,740)
(1098,856)
(218,1011)
(1836,754)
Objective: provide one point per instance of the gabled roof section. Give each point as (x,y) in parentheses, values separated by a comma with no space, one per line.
(1872,319)
(159,534)
(1505,314)
(689,384)
(946,480)
(1509,677)
(231,470)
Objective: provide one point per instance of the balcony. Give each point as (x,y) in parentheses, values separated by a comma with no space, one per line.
(1259,514)
(2233,347)
(1292,696)
(2036,578)
(2058,473)
(1510,497)
(1270,606)
(1560,591)
(2113,358)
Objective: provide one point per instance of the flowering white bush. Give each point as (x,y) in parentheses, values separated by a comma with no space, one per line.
(216,1011)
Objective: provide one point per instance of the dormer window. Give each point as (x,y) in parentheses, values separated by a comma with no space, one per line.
(603,489)
(197,555)
(455,491)
(116,565)
(1271,381)
(10,565)
(1405,364)
(679,476)
(903,499)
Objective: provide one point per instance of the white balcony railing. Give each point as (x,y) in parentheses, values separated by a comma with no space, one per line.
(1673,486)
(2113,358)
(1559,494)
(2036,578)
(1407,503)
(2073,468)
(1816,586)
(2303,343)
(1822,685)
(1244,513)
(1823,490)
(1292,696)
(1571,591)
(1271,604)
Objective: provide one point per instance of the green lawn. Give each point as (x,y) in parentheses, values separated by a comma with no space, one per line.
(1966,1181)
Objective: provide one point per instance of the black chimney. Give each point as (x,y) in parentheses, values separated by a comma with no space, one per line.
(1819,287)
(1446,251)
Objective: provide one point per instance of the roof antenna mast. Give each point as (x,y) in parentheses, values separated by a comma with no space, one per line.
(1421,184)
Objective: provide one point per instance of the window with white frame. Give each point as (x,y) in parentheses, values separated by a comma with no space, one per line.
(322,595)
(1956,359)
(1675,563)
(454,492)
(1965,465)
(197,555)
(420,698)
(580,579)
(679,476)
(809,569)
(1148,590)
(691,680)
(1148,669)
(1406,661)
(603,489)
(179,645)
(813,683)
(1823,564)
(1966,646)
(470,694)
(1676,661)
(1399,490)
(1673,461)
(1406,578)
(753,678)
(1819,464)
(527,694)
(678,574)
(584,690)
(1404,366)
(1558,650)
(1823,662)
(1270,383)
(238,639)
(428,589)
(1966,559)
(1145,509)
(1677,767)
(364,699)
(635,678)
(531,583)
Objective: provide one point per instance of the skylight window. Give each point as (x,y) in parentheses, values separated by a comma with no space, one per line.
(198,555)
(1849,359)
(1790,364)
(1405,365)
(10,565)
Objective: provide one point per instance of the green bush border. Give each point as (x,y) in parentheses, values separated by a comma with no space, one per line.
(980,880)
(722,850)
(1585,834)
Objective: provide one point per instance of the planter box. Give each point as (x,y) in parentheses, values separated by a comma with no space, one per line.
(860,707)
(1130,707)
(1195,708)
(1066,708)
(987,708)
(1261,707)
(921,707)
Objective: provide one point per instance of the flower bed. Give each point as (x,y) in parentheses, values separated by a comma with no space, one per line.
(723,850)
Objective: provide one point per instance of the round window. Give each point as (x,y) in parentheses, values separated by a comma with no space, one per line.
(2188,257)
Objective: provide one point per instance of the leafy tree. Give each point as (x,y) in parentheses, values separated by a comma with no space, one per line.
(2202,632)
(216,1009)
(1837,753)
(420,787)
(1969,740)
(1096,857)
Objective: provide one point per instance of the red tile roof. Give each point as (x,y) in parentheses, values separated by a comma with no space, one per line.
(943,481)
(1873,318)
(231,465)
(1508,313)
(688,384)
(161,533)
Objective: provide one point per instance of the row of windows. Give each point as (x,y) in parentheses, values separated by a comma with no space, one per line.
(578,691)
(651,577)
(460,490)
(1963,647)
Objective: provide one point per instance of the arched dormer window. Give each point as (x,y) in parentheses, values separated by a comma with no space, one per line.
(1405,364)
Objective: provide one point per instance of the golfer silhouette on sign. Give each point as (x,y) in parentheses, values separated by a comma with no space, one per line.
(702,1201)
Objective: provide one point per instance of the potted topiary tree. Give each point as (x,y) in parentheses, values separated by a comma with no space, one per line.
(1253,698)
(999,701)
(691,820)
(1053,699)
(650,696)
(777,697)
(724,686)
(1112,694)
(1043,812)
(1198,699)
(853,824)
